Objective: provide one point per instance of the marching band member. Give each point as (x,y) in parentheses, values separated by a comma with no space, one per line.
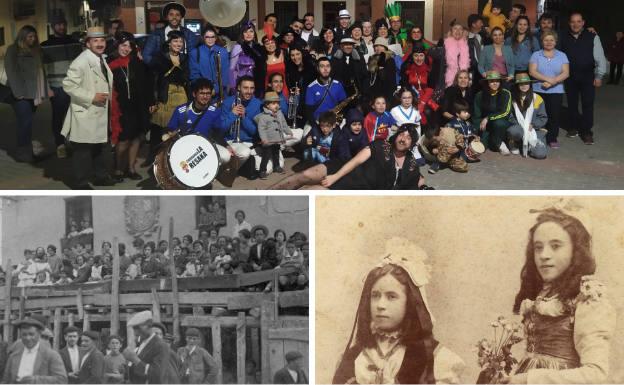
(323,94)
(203,62)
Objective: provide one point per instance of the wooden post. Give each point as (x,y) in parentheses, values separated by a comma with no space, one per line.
(267,319)
(8,328)
(114,326)
(86,324)
(216,349)
(70,318)
(174,289)
(79,304)
(22,304)
(276,291)
(130,336)
(255,345)
(241,348)
(155,306)
(58,333)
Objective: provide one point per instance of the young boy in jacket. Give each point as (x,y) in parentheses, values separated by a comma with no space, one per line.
(326,141)
(273,130)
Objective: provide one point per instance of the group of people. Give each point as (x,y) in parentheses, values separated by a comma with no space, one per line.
(407,102)
(88,357)
(248,249)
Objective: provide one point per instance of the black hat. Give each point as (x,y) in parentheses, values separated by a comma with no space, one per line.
(123,36)
(173,5)
(29,321)
(95,336)
(354,115)
(161,326)
(410,128)
(381,23)
(57,18)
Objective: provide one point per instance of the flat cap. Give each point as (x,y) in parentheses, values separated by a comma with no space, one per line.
(140,318)
(292,355)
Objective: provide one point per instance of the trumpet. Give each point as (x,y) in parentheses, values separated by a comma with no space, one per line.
(235,127)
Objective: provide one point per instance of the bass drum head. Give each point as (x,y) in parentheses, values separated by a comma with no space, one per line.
(194,161)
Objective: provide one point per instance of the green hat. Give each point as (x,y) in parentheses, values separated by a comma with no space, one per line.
(393,11)
(523,78)
(492,75)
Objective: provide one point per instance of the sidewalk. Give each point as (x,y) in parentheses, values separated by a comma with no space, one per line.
(573,166)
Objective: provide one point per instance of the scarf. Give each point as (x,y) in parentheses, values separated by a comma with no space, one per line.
(530,136)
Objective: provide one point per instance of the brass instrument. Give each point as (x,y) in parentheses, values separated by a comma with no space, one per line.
(223,13)
(219,80)
(342,105)
(293,105)
(236,126)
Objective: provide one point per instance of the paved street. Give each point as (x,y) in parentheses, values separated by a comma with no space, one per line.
(573,166)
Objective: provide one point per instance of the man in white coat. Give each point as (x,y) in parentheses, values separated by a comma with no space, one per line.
(89,83)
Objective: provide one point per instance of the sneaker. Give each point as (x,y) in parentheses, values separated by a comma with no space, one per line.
(572,134)
(503,149)
(555,145)
(434,167)
(37,148)
(588,139)
(263,175)
(61,152)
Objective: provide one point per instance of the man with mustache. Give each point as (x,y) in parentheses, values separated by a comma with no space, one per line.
(89,84)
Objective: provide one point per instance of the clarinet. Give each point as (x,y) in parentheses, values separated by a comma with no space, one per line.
(293,106)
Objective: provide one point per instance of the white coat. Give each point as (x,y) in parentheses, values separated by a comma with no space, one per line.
(86,122)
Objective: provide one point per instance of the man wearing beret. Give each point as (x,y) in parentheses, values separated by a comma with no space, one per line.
(33,362)
(91,360)
(292,373)
(151,363)
(197,364)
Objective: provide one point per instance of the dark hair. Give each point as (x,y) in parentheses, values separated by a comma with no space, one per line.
(114,337)
(239,212)
(202,83)
(527,36)
(497,29)
(245,233)
(174,35)
(280,231)
(520,7)
(417,330)
(208,27)
(405,89)
(574,13)
(270,15)
(273,75)
(567,285)
(71,329)
(460,105)
(278,50)
(473,18)
(138,242)
(245,78)
(328,117)
(110,246)
(188,236)
(516,95)
(308,14)
(546,16)
(322,44)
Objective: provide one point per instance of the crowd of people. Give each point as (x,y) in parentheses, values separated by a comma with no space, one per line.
(213,253)
(494,83)
(90,357)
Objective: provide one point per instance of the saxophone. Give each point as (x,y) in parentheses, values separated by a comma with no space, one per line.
(342,105)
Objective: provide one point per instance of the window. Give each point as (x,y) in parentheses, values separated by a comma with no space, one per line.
(330,12)
(285,11)
(23,8)
(414,11)
(78,210)
(210,212)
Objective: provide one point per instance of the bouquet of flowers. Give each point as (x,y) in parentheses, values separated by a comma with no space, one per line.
(494,356)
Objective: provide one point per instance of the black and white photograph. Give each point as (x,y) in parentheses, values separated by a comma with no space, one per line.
(486,290)
(154,289)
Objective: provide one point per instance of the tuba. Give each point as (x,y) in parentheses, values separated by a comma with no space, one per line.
(223,13)
(338,110)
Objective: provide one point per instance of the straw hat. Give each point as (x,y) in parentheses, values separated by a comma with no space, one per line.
(95,32)
(271,96)
(381,41)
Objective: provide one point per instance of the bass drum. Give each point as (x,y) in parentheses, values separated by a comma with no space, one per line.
(186,162)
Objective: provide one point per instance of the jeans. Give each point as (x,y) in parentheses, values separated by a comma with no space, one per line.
(270,152)
(497,133)
(60,105)
(25,113)
(552,103)
(583,88)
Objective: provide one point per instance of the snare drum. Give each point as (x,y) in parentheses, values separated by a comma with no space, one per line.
(186,162)
(474,150)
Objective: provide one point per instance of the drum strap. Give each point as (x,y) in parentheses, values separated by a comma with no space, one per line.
(195,123)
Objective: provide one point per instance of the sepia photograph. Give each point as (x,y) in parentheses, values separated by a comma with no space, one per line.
(154,289)
(469,289)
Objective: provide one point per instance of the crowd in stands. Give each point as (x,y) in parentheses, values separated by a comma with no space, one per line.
(211,253)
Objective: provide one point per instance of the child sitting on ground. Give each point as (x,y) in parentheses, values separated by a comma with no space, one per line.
(461,124)
(273,130)
(325,142)
(356,137)
(445,149)
(379,124)
(222,262)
